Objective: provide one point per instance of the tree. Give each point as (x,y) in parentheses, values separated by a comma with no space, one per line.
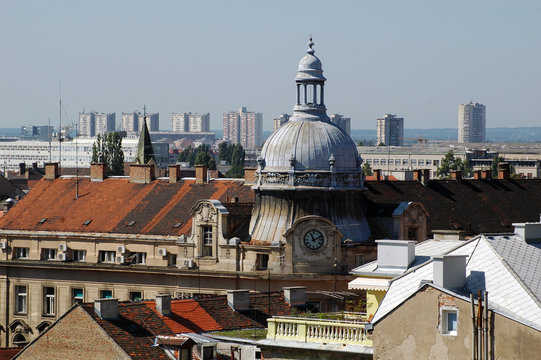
(237,162)
(187,155)
(495,161)
(367,169)
(199,156)
(450,162)
(107,149)
(225,150)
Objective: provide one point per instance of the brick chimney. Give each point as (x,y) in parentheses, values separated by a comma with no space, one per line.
(97,172)
(200,174)
(22,168)
(456,175)
(486,174)
(417,175)
(477,174)
(174,173)
(503,171)
(163,304)
(377,174)
(249,175)
(51,171)
(142,173)
(107,309)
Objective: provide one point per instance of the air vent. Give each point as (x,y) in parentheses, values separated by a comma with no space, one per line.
(131,223)
(87,222)
(177,225)
(42,220)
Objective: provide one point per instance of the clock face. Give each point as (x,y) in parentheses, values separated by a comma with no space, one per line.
(313,239)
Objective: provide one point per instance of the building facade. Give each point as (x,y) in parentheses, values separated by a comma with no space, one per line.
(279,121)
(130,122)
(243,127)
(390,130)
(342,122)
(188,122)
(94,123)
(471,123)
(153,122)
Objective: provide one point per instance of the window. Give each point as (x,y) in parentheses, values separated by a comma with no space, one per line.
(397,162)
(106,294)
(383,161)
(77,295)
(413,162)
(369,161)
(262,261)
(436,163)
(376,162)
(449,324)
(429,162)
(421,162)
(412,233)
(207,241)
(136,295)
(359,259)
(107,256)
(21,253)
(404,161)
(49,254)
(171,259)
(79,255)
(208,352)
(20,299)
(139,257)
(48,301)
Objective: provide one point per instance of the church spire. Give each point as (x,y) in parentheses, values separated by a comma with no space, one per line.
(145,151)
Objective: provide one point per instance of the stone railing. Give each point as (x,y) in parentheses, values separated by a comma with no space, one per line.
(318,331)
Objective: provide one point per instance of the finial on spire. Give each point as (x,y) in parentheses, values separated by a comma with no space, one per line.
(310,44)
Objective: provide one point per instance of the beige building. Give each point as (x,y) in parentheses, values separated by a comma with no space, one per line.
(243,127)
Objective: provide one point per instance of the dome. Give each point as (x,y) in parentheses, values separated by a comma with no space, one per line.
(309,145)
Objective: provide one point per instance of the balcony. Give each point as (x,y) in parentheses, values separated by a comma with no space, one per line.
(318,331)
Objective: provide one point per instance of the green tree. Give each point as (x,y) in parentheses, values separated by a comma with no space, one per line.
(199,156)
(225,151)
(107,149)
(367,169)
(187,155)
(495,161)
(237,162)
(450,162)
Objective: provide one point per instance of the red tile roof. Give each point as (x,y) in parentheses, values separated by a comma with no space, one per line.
(187,316)
(8,353)
(113,203)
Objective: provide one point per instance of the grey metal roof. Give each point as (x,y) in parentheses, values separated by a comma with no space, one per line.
(310,68)
(311,144)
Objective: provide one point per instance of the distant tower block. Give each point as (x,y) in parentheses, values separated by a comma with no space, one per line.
(471,123)
(390,130)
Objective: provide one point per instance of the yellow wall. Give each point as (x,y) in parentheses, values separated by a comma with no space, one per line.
(373,299)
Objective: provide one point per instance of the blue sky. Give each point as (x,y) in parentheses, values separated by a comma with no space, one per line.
(416,59)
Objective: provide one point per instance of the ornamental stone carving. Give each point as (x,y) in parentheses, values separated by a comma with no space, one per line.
(206,213)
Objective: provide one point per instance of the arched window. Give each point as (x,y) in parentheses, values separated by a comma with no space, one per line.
(19,340)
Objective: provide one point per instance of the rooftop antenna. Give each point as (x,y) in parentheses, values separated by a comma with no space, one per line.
(76,164)
(49,137)
(60,139)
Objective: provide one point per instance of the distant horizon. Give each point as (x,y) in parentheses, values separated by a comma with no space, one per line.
(418,59)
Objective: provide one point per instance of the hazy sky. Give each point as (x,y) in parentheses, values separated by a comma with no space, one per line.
(416,59)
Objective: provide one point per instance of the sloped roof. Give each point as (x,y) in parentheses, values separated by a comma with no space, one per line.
(475,206)
(115,202)
(134,331)
(485,270)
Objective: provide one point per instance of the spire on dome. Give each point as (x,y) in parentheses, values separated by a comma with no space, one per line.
(310,44)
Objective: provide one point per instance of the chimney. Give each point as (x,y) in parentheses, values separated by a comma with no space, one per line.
(530,232)
(395,254)
(295,295)
(163,304)
(107,309)
(141,173)
(174,173)
(456,175)
(22,168)
(450,271)
(238,299)
(503,171)
(97,172)
(249,175)
(417,175)
(477,174)
(51,171)
(35,166)
(486,174)
(377,174)
(200,174)
(426,176)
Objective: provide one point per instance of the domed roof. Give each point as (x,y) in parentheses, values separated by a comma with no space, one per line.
(309,145)
(310,68)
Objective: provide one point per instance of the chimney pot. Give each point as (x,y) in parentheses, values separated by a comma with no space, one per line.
(377,174)
(456,175)
(238,299)
(503,171)
(142,173)
(107,309)
(51,171)
(22,168)
(249,175)
(174,173)
(477,174)
(295,295)
(163,304)
(450,271)
(97,172)
(200,174)
(395,254)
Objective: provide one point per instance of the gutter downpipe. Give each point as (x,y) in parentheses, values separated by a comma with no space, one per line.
(486,326)
(474,333)
(479,325)
(7,305)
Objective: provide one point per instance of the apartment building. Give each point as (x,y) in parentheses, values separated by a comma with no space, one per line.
(153,121)
(243,127)
(279,121)
(188,122)
(471,123)
(342,122)
(390,130)
(130,122)
(94,123)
